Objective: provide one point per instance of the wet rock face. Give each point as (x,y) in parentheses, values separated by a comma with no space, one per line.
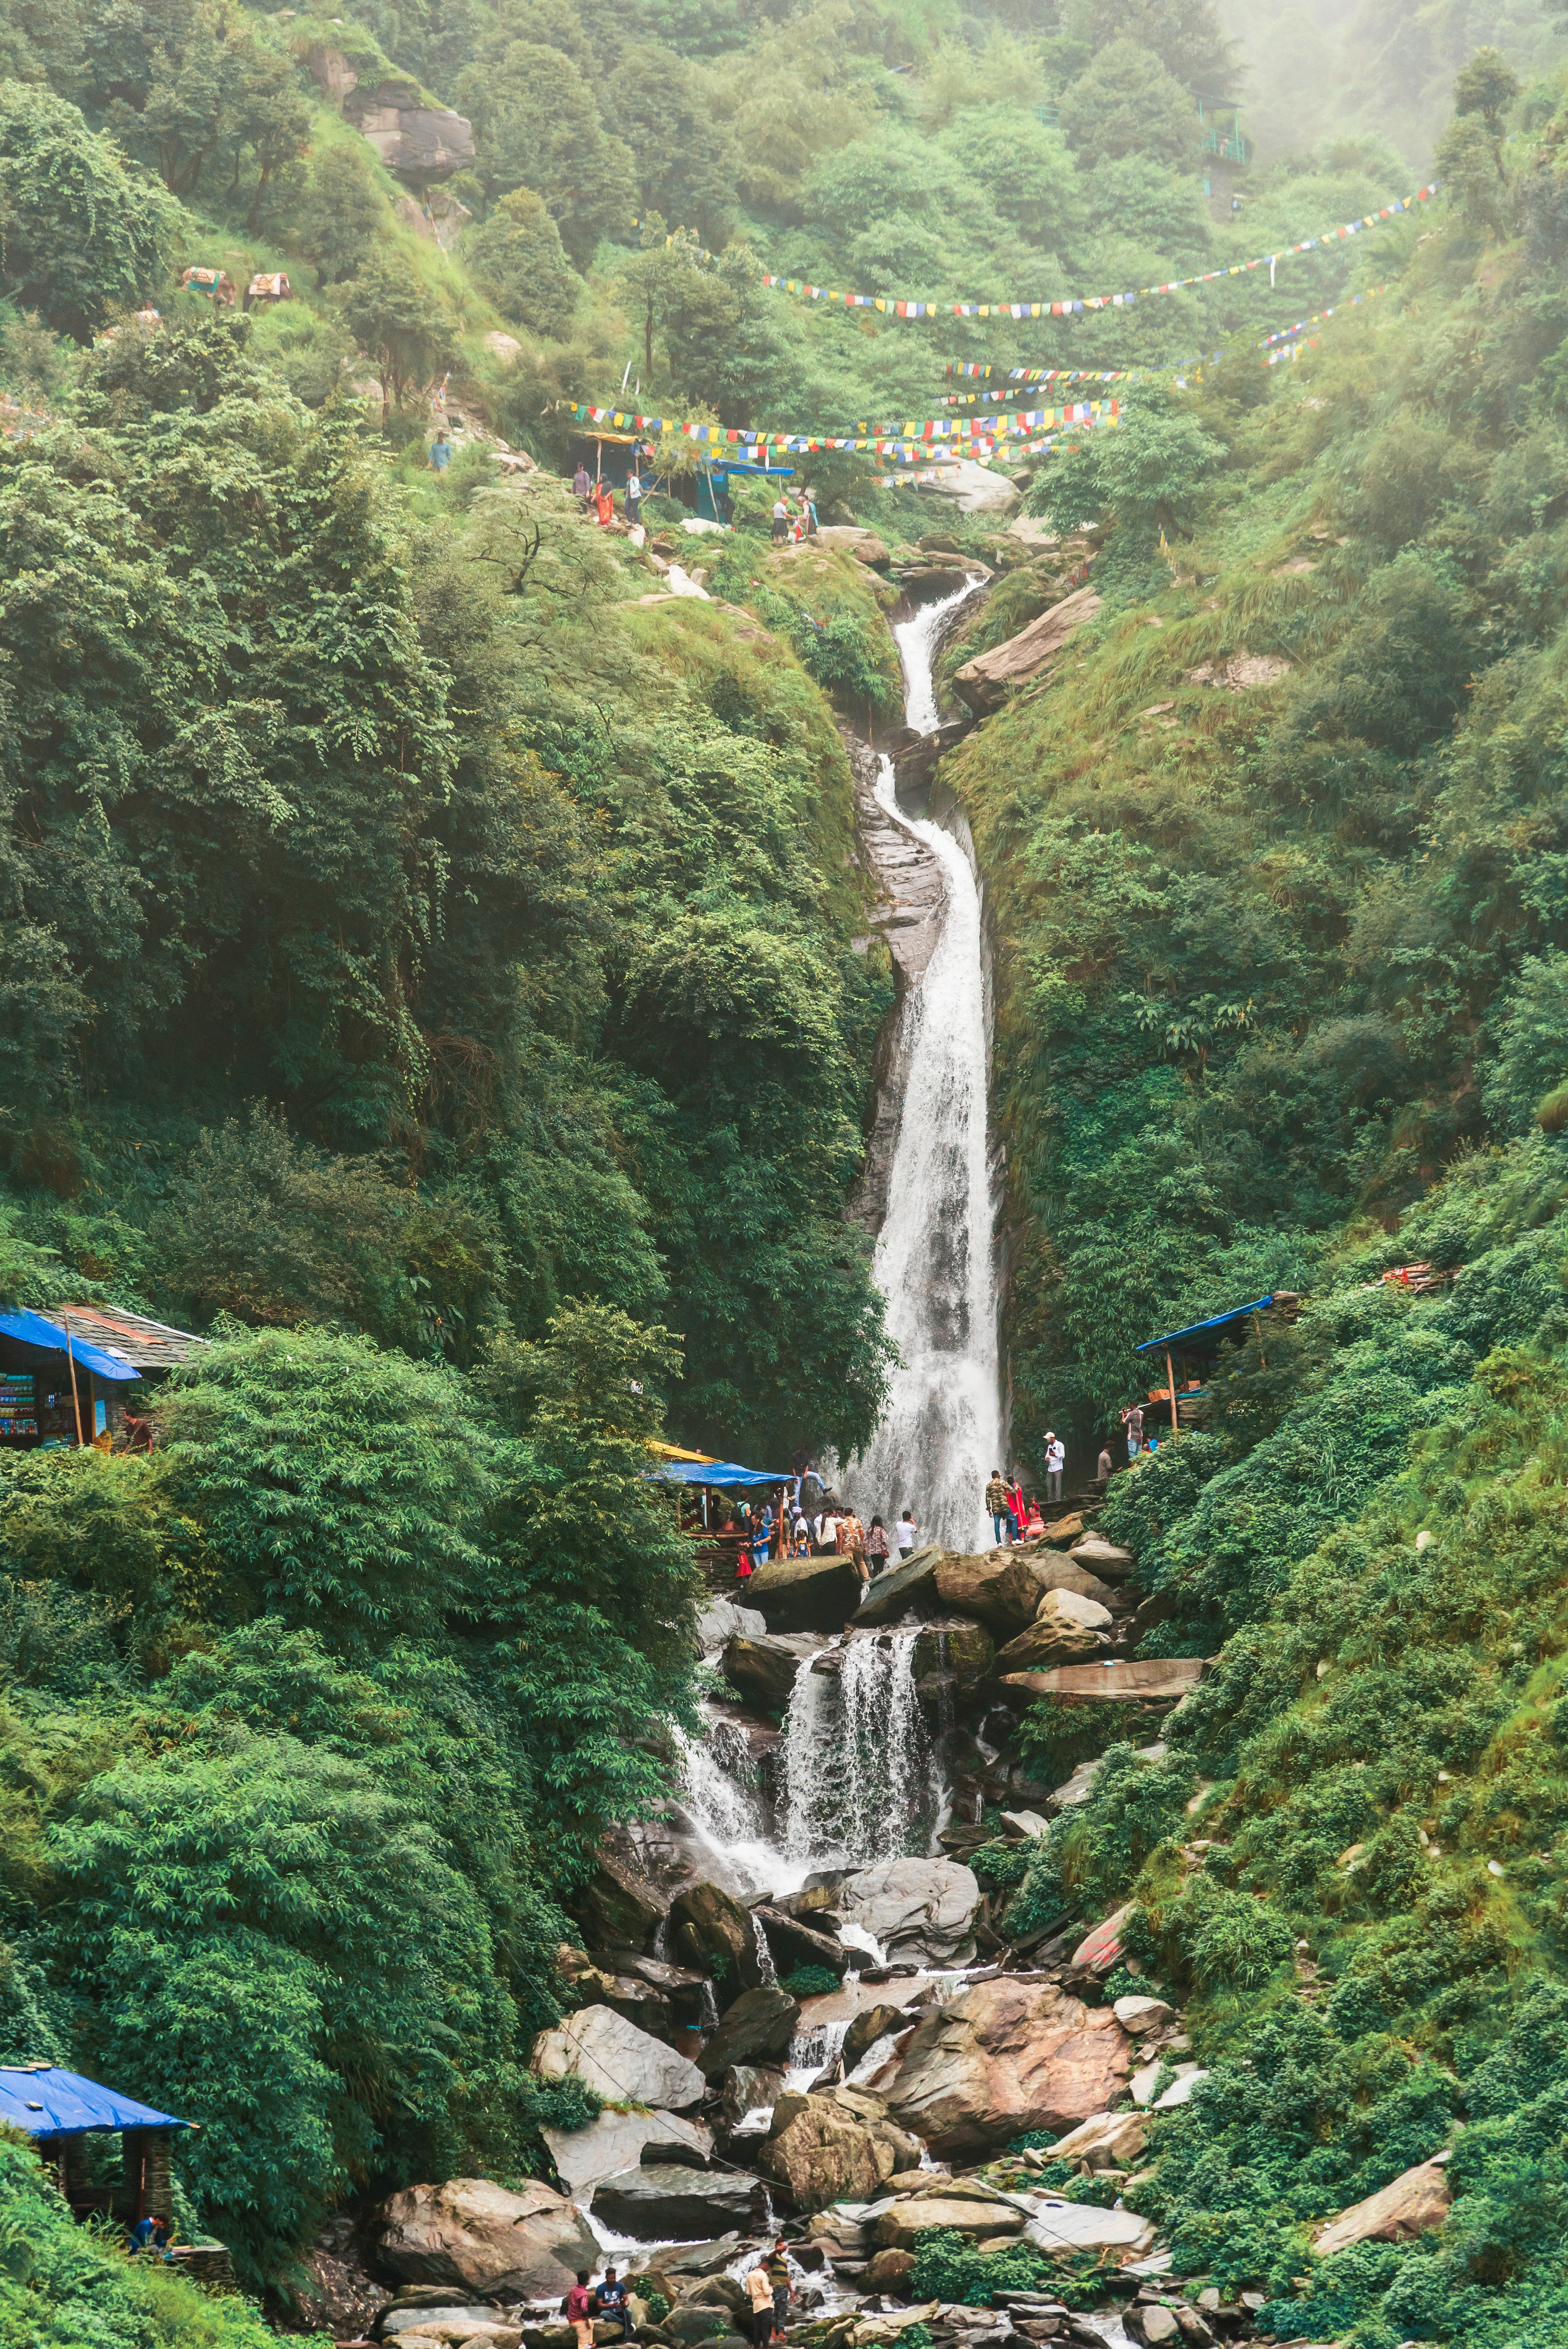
(920,1908)
(662,2202)
(621,2063)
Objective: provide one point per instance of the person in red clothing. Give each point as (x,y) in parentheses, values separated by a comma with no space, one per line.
(603,504)
(579,2310)
(1015,1506)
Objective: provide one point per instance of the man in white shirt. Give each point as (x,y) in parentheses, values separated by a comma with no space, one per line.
(1055,1461)
(908,1533)
(828,1530)
(781,521)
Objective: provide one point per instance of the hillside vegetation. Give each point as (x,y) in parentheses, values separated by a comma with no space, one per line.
(441,978)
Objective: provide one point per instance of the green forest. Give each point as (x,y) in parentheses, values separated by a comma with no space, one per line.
(436,967)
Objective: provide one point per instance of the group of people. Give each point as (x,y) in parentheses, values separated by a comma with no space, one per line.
(770,2288)
(597,499)
(831,1530)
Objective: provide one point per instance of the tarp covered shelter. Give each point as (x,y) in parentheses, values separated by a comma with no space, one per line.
(1206,1336)
(725,1472)
(45,2100)
(32,1329)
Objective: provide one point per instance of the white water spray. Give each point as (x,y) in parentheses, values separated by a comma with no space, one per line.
(936,1256)
(860,1777)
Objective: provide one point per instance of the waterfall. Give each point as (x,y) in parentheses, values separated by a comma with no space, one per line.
(860,1773)
(936,1256)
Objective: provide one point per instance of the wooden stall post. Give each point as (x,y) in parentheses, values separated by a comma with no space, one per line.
(70,1356)
(1170,1390)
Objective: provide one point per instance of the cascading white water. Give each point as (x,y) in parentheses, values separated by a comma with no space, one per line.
(859,1771)
(936,1256)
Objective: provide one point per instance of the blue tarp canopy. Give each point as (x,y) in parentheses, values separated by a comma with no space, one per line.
(1200,1329)
(15,1322)
(717,1472)
(48,2102)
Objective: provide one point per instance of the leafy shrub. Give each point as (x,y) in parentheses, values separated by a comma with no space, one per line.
(947,2266)
(809,1981)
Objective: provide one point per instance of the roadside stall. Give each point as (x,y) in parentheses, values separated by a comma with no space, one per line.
(713,1488)
(69,2119)
(65,1375)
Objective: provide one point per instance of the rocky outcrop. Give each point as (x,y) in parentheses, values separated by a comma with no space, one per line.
(709,1929)
(872,2024)
(614,2141)
(834,2148)
(1161,1681)
(805,1594)
(1004,2057)
(921,1909)
(1415,2200)
(486,2240)
(619,1906)
(964,1652)
(1103,1559)
(1055,1571)
(669,2202)
(1100,1949)
(763,1670)
(848,538)
(901,2228)
(984,682)
(996,1586)
(760,2024)
(721,1619)
(793,1943)
(420,142)
(1105,2141)
(893,1593)
(1067,1630)
(624,2064)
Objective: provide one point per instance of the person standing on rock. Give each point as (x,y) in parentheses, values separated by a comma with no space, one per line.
(1103,1466)
(1133,1420)
(997,1502)
(783,2290)
(854,1537)
(1055,1461)
(876,1547)
(633,497)
(579,2310)
(582,487)
(780,520)
(759,2292)
(1016,1508)
(908,1533)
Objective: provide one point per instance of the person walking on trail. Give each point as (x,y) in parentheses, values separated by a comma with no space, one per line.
(809,513)
(783,2290)
(633,497)
(1103,1466)
(578,2309)
(582,487)
(780,520)
(1133,1420)
(1055,1461)
(907,1533)
(997,1502)
(440,452)
(603,504)
(759,2294)
(876,1546)
(855,1546)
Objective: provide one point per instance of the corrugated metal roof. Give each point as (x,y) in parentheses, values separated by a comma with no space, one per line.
(151,1345)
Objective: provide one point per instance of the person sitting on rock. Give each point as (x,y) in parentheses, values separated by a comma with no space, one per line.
(610,2302)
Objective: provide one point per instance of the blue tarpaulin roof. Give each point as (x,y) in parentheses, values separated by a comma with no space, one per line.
(1198,1328)
(717,1472)
(48,2102)
(16,1322)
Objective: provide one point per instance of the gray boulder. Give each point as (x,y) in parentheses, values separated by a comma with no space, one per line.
(721,1618)
(921,1909)
(484,2240)
(895,1592)
(711,1930)
(805,1594)
(617,2059)
(793,1943)
(763,1670)
(664,2203)
(1103,1559)
(759,2024)
(616,2141)
(422,143)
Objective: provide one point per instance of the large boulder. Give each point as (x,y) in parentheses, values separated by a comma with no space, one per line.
(1415,2200)
(963,1651)
(620,1907)
(824,2149)
(1004,2057)
(901,2228)
(720,1620)
(760,2024)
(995,1586)
(1158,1680)
(664,2203)
(486,2240)
(921,1909)
(1103,1559)
(617,2059)
(764,1670)
(1054,1569)
(849,538)
(1067,1629)
(710,1930)
(900,1587)
(805,1594)
(614,2141)
(872,2024)
(793,1943)
(642,2001)
(984,682)
(1105,2141)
